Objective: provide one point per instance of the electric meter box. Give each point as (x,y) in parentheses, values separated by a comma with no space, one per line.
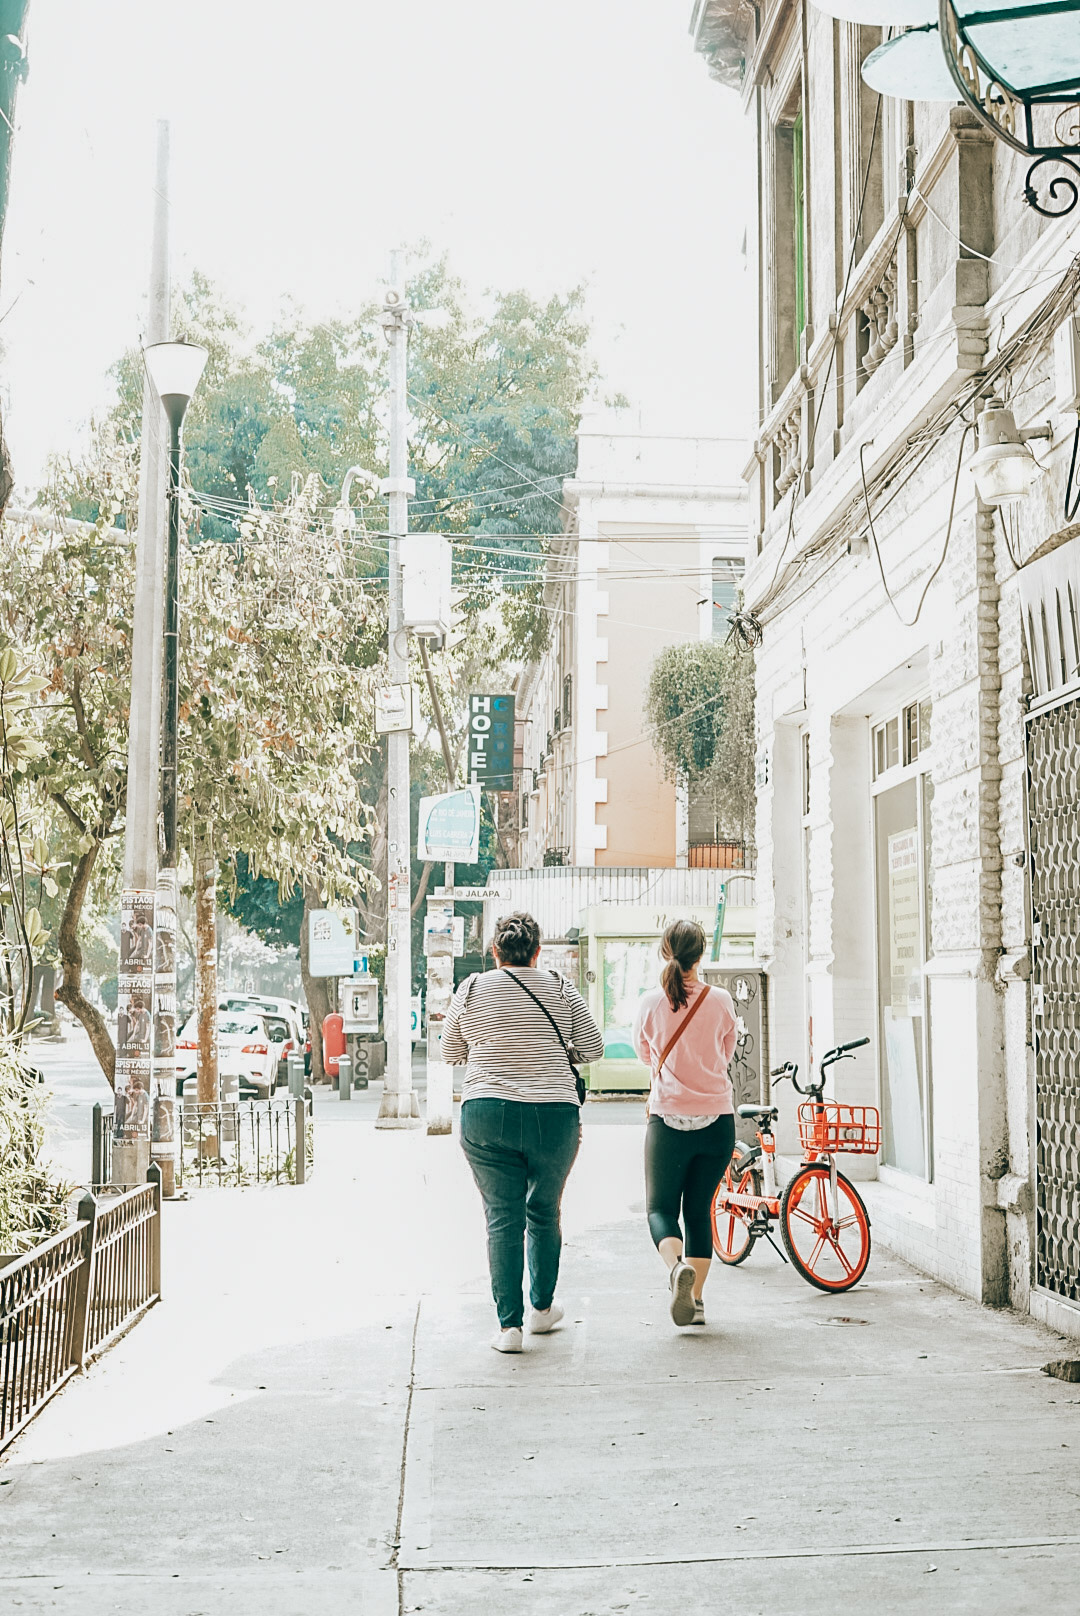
(425,584)
(360,1004)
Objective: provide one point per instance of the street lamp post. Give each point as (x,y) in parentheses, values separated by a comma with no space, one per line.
(174,369)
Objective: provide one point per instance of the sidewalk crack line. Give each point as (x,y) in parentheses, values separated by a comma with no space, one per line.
(395,1557)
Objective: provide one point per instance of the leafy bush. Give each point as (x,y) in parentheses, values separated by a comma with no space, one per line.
(32,1200)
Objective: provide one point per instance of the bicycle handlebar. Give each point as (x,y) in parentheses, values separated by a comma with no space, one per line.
(789,1068)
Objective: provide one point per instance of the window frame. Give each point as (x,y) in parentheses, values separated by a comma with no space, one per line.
(918,770)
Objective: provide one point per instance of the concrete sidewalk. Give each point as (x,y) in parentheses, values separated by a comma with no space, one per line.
(312,1422)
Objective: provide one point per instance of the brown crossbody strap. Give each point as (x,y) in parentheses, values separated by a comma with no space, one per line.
(680,1029)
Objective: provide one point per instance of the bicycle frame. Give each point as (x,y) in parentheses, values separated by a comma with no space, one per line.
(821,1217)
(769,1200)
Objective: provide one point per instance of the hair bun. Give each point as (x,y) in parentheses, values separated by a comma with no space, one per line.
(517,938)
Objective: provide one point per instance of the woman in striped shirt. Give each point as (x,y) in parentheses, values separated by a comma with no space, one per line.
(514,1029)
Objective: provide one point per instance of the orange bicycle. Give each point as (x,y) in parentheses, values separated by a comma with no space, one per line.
(823,1222)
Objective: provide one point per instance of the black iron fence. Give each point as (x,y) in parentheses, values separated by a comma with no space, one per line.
(229,1143)
(69,1298)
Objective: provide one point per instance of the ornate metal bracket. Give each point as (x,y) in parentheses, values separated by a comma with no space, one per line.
(1020,117)
(1064,190)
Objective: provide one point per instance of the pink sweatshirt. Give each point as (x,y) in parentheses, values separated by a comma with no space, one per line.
(694,1082)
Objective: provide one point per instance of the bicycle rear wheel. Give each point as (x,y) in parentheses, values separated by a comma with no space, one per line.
(833,1258)
(733,1240)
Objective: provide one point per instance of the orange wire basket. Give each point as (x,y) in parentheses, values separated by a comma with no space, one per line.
(833,1127)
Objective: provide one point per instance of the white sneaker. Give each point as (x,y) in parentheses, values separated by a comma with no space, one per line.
(507,1340)
(682,1293)
(542,1321)
(699,1312)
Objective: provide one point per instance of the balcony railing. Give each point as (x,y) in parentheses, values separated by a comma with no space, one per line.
(870,326)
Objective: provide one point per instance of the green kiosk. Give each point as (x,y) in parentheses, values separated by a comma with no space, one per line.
(620,960)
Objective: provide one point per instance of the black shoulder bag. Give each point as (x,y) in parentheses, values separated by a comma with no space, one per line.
(568,1049)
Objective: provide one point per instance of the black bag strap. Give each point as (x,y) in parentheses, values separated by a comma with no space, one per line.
(547,1012)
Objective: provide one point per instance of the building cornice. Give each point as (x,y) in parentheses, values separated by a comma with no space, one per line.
(722,31)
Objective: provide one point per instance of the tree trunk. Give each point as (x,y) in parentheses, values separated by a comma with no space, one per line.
(318,999)
(70,990)
(206,988)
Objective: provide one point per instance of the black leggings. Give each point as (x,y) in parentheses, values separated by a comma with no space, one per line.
(684,1166)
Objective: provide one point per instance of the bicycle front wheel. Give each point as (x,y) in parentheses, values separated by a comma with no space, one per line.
(830,1253)
(731,1236)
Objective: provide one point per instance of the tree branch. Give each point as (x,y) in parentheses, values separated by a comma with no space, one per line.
(62,802)
(422,886)
(70,990)
(80,720)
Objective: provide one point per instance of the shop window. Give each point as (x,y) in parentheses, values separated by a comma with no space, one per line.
(901,904)
(902,851)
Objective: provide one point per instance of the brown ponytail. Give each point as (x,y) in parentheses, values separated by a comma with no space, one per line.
(682,945)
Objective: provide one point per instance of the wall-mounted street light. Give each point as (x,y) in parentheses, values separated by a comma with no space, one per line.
(175,369)
(1004,467)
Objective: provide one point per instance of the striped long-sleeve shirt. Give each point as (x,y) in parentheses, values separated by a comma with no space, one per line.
(507,1043)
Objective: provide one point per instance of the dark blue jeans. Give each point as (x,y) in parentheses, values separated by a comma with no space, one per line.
(521,1155)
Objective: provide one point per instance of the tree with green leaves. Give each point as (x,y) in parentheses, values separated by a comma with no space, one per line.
(700,706)
(495,395)
(275,691)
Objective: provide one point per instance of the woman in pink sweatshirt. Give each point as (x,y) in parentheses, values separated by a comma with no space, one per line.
(691,1129)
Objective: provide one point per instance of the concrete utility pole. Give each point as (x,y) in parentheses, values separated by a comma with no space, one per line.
(144,729)
(398,1108)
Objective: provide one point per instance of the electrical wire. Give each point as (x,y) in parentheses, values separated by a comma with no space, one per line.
(987,258)
(1072,482)
(968,427)
(1008,542)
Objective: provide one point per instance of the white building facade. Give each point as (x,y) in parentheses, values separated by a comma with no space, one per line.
(653,555)
(917,874)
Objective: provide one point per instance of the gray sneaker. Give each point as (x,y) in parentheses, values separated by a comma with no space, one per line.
(699,1312)
(682,1293)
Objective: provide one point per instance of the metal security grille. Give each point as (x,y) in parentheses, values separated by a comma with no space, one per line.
(1054,815)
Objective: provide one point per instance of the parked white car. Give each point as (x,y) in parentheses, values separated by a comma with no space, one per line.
(244,1047)
(268,1006)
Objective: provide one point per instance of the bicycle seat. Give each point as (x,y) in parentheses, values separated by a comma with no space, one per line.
(765,1113)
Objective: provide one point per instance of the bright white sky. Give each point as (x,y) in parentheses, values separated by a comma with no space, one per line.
(541,145)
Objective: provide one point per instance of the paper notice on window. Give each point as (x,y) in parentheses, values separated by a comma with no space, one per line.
(905,918)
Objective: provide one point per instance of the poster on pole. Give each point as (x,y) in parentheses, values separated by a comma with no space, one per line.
(396,707)
(164,1138)
(448,827)
(134,1018)
(491,742)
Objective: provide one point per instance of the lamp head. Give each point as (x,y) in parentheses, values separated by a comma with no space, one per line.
(1004,467)
(175,369)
